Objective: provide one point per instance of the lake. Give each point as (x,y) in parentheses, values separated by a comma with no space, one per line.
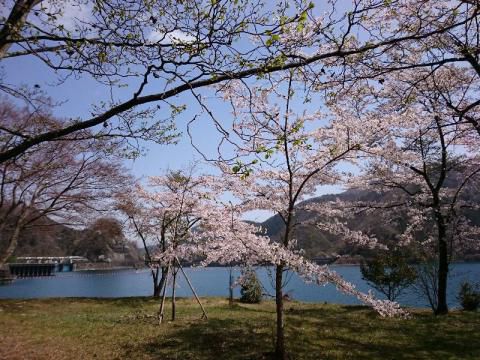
(212,281)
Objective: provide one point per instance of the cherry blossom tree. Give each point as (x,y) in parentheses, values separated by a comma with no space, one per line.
(143,226)
(205,226)
(430,88)
(448,62)
(429,157)
(171,206)
(277,158)
(225,238)
(178,47)
(62,180)
(437,76)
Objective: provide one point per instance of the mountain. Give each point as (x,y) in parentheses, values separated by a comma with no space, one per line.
(103,239)
(319,244)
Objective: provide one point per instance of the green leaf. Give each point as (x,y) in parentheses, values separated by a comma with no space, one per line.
(302,20)
(102,57)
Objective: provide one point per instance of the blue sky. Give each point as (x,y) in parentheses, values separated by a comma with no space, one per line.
(78,96)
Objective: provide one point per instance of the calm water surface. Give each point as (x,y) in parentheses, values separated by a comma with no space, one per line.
(210,282)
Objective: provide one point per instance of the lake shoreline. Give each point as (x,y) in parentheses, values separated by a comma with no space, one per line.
(213,281)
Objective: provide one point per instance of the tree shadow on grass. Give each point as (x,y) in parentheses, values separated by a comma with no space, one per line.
(253,308)
(353,334)
(212,339)
(329,332)
(317,310)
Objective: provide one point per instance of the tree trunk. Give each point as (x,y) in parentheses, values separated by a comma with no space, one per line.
(230,288)
(280,340)
(174,274)
(12,245)
(156,286)
(442,307)
(158,281)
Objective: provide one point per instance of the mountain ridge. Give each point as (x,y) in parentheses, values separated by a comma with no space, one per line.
(320,244)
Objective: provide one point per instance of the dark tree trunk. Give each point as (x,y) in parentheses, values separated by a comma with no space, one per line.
(158,281)
(156,291)
(174,305)
(442,307)
(280,340)
(230,288)
(12,245)
(156,286)
(12,241)
(13,25)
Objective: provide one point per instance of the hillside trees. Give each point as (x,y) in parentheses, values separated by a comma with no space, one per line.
(104,237)
(162,49)
(62,180)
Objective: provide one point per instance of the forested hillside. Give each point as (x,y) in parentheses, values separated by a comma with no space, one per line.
(102,240)
(105,238)
(318,243)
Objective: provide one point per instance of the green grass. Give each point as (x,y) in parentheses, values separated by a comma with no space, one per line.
(126,329)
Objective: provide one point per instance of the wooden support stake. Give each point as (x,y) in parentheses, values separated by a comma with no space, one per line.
(162,304)
(204,316)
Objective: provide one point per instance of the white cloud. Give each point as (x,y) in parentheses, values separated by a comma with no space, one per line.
(172,37)
(73,12)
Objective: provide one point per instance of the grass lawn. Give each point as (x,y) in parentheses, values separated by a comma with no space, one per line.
(125,329)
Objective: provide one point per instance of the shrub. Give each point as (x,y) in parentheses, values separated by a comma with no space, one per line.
(251,289)
(389,273)
(469,297)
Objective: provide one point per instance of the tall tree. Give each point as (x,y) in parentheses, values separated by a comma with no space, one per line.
(214,230)
(428,156)
(163,215)
(282,157)
(61,180)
